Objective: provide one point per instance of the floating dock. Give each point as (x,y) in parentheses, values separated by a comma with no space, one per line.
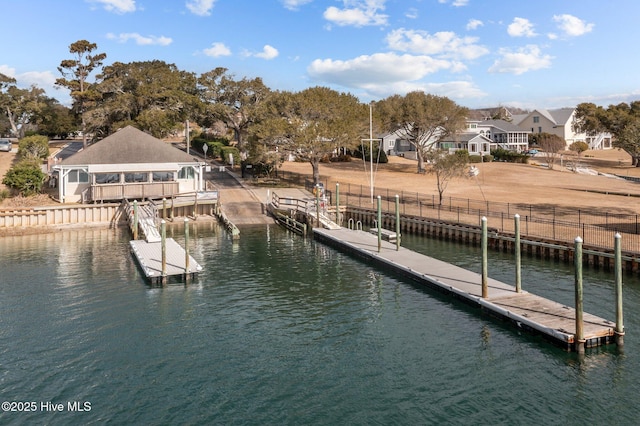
(554,321)
(149,257)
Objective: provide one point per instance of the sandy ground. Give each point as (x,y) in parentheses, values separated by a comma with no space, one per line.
(506,182)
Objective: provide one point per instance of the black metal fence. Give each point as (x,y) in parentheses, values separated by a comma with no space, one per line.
(548,222)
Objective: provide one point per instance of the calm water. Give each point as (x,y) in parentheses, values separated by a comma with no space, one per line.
(280,330)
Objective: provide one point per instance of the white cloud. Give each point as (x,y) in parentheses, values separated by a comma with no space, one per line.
(200,7)
(140,40)
(294,4)
(117,6)
(363,13)
(380,68)
(412,13)
(521,27)
(474,24)
(217,49)
(529,58)
(572,26)
(445,43)
(268,53)
(8,71)
(456,3)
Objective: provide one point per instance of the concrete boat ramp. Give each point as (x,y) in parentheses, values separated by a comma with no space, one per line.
(529,312)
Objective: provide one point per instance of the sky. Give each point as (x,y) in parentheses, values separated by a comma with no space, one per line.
(480,53)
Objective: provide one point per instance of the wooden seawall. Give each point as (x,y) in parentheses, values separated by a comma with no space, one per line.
(554,321)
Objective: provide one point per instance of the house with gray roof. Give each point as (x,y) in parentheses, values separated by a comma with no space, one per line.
(560,122)
(129,164)
(474,143)
(503,133)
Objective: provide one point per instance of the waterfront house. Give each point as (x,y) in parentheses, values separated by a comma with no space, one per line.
(504,134)
(560,122)
(474,143)
(129,164)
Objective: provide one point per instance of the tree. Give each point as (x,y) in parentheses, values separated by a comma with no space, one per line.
(312,124)
(34,147)
(234,102)
(550,145)
(622,121)
(424,118)
(446,167)
(152,95)
(75,73)
(22,107)
(26,177)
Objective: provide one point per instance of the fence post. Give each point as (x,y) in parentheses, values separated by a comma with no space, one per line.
(338,221)
(163,230)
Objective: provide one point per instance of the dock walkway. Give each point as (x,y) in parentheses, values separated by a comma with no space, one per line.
(529,312)
(149,256)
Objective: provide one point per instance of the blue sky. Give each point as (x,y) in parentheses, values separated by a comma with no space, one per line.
(480,53)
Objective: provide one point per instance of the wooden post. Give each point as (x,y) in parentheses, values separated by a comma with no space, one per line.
(579,337)
(397,222)
(317,206)
(135,219)
(518,251)
(618,273)
(338,218)
(485,280)
(379,224)
(163,228)
(186,249)
(164,208)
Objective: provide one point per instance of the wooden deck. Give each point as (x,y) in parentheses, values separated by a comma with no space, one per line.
(149,257)
(529,312)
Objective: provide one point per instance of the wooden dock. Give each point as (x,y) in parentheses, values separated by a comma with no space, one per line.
(554,321)
(149,257)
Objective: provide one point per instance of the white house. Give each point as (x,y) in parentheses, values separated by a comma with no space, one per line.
(475,143)
(560,122)
(504,134)
(128,164)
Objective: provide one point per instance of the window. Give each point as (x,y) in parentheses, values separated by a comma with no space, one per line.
(163,177)
(78,176)
(536,119)
(103,178)
(136,177)
(186,173)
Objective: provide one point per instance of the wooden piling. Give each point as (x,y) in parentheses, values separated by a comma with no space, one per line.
(518,253)
(579,338)
(618,277)
(485,278)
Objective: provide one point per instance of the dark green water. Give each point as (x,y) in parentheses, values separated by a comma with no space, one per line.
(279,330)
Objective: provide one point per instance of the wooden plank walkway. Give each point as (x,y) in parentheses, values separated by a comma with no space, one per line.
(149,256)
(529,312)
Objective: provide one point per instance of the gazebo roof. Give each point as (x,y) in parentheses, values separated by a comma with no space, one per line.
(129,146)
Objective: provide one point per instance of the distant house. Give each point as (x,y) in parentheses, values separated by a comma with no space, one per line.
(474,143)
(503,133)
(560,122)
(128,164)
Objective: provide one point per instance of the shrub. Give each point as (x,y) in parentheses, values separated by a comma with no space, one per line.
(475,159)
(34,147)
(487,158)
(501,154)
(26,177)
(226,153)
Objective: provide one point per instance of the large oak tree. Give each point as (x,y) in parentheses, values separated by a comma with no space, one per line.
(622,121)
(234,102)
(423,118)
(312,124)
